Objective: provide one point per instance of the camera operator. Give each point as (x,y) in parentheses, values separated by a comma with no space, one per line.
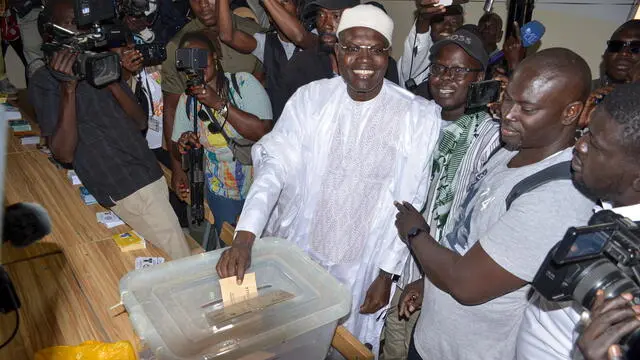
(605,163)
(98,130)
(174,84)
(477,278)
(237,107)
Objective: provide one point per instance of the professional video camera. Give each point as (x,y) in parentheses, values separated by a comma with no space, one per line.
(97,66)
(193,62)
(605,255)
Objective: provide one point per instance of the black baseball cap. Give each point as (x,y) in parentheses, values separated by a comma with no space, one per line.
(468,40)
(314,5)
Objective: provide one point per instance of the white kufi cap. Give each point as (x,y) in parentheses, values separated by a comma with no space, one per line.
(367,16)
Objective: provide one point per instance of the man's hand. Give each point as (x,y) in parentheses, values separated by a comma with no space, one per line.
(180,183)
(407,218)
(611,320)
(429,7)
(186,141)
(411,299)
(237,259)
(378,294)
(132,61)
(495,108)
(206,95)
(62,62)
(592,101)
(513,50)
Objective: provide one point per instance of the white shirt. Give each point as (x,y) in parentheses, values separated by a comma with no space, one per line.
(416,47)
(548,329)
(150,78)
(261,39)
(328,173)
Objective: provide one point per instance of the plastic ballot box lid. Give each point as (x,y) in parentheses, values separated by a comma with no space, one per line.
(177,309)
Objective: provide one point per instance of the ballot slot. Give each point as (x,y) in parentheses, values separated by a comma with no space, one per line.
(173,306)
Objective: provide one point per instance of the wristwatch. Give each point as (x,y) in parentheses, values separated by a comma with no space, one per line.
(224,110)
(413,232)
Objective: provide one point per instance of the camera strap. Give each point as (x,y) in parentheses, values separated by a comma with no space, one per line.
(559,171)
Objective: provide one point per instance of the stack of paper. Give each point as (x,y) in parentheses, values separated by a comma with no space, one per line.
(87,197)
(19,125)
(109,219)
(129,241)
(73,177)
(30,140)
(11,112)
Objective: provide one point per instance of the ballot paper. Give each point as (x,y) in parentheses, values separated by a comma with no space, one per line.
(109,219)
(30,140)
(75,180)
(145,262)
(232,293)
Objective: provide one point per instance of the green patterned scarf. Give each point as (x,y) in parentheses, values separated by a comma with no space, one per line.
(454,143)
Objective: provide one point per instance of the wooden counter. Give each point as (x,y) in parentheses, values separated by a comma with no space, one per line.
(68,281)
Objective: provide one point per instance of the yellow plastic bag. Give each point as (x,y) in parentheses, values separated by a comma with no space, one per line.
(89,350)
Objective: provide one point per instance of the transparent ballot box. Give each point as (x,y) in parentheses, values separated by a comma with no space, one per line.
(177,309)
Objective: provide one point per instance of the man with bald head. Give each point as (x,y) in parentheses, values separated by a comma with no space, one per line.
(328,173)
(477,278)
(621,56)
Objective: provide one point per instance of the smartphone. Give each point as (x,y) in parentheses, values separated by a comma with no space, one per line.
(482,93)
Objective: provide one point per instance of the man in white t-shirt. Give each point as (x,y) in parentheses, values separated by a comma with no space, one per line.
(477,280)
(606,164)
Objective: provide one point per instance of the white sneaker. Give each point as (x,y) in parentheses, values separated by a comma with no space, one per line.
(7,87)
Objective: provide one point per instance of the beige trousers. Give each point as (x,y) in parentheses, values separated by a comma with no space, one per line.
(397,332)
(149,213)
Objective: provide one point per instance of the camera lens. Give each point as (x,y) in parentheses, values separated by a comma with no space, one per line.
(602,274)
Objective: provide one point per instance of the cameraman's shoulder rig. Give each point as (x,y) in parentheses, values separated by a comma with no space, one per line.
(240,148)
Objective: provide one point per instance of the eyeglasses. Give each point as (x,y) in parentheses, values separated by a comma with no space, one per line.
(455,71)
(373,50)
(616,46)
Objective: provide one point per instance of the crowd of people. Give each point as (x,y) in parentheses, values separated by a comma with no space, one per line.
(379,170)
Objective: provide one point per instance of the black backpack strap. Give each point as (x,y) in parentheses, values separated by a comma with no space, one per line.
(234,83)
(559,171)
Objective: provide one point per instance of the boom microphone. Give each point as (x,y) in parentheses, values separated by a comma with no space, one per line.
(25,223)
(530,33)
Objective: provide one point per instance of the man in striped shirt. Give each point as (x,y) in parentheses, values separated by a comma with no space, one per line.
(467,139)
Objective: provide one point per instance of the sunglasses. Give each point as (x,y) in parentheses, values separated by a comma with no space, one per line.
(616,46)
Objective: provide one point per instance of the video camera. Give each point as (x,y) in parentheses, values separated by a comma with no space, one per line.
(192,62)
(94,64)
(605,255)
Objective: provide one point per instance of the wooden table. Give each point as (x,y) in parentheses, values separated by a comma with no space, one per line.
(67,281)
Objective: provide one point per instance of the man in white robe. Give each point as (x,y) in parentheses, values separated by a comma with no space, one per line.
(327,175)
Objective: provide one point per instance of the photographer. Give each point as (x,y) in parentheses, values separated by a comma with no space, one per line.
(98,131)
(477,278)
(605,163)
(237,107)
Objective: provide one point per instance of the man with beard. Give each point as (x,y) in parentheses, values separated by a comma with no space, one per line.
(433,23)
(318,63)
(477,278)
(328,173)
(467,140)
(605,163)
(621,56)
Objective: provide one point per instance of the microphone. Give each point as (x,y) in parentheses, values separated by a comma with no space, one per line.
(25,223)
(530,33)
(488,5)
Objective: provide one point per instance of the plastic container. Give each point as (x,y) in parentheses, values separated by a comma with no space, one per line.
(167,305)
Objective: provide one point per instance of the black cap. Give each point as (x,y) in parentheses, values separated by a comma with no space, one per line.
(468,41)
(314,5)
